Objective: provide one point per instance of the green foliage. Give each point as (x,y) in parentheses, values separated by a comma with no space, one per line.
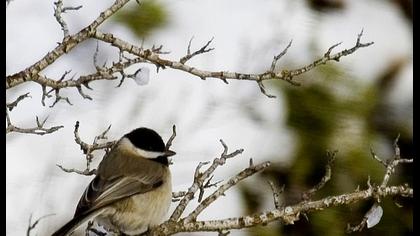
(143,19)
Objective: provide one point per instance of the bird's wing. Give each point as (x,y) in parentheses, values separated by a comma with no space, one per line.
(104,191)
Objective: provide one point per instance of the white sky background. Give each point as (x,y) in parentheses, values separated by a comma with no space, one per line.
(247,35)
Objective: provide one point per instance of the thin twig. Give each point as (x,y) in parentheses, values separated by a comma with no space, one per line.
(86,172)
(390,169)
(59,9)
(199,179)
(280,55)
(13,104)
(38,130)
(169,143)
(88,149)
(223,188)
(31,226)
(202,50)
(276,194)
(327,176)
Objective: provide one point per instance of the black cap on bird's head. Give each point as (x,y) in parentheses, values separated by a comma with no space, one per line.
(149,141)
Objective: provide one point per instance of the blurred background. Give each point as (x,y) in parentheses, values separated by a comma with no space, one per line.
(362,102)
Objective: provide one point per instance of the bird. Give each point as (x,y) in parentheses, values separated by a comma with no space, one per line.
(132,189)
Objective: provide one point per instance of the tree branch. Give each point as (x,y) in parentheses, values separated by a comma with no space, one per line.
(38,130)
(251,170)
(31,226)
(13,104)
(88,149)
(390,168)
(59,9)
(199,179)
(286,75)
(31,73)
(328,169)
(202,50)
(285,214)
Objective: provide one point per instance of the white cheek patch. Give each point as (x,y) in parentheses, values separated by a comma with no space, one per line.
(148,154)
(125,143)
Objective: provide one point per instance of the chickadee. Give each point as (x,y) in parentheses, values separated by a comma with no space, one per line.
(132,189)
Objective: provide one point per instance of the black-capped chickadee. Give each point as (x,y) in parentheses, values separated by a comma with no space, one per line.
(132,189)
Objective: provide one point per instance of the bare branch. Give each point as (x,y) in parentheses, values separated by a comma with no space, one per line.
(13,104)
(390,168)
(57,13)
(276,58)
(286,75)
(88,149)
(372,152)
(38,130)
(331,158)
(32,72)
(32,226)
(208,184)
(103,73)
(202,50)
(72,8)
(86,172)
(58,97)
(327,54)
(59,9)
(276,194)
(169,143)
(287,215)
(95,57)
(199,179)
(85,96)
(176,196)
(396,147)
(262,89)
(222,189)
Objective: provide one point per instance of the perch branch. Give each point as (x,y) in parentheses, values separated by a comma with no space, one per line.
(199,179)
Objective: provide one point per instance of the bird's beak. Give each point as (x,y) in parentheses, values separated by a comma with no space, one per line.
(169,153)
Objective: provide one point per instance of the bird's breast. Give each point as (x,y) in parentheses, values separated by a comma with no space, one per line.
(136,214)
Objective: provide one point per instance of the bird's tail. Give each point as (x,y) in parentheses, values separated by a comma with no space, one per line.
(68,228)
